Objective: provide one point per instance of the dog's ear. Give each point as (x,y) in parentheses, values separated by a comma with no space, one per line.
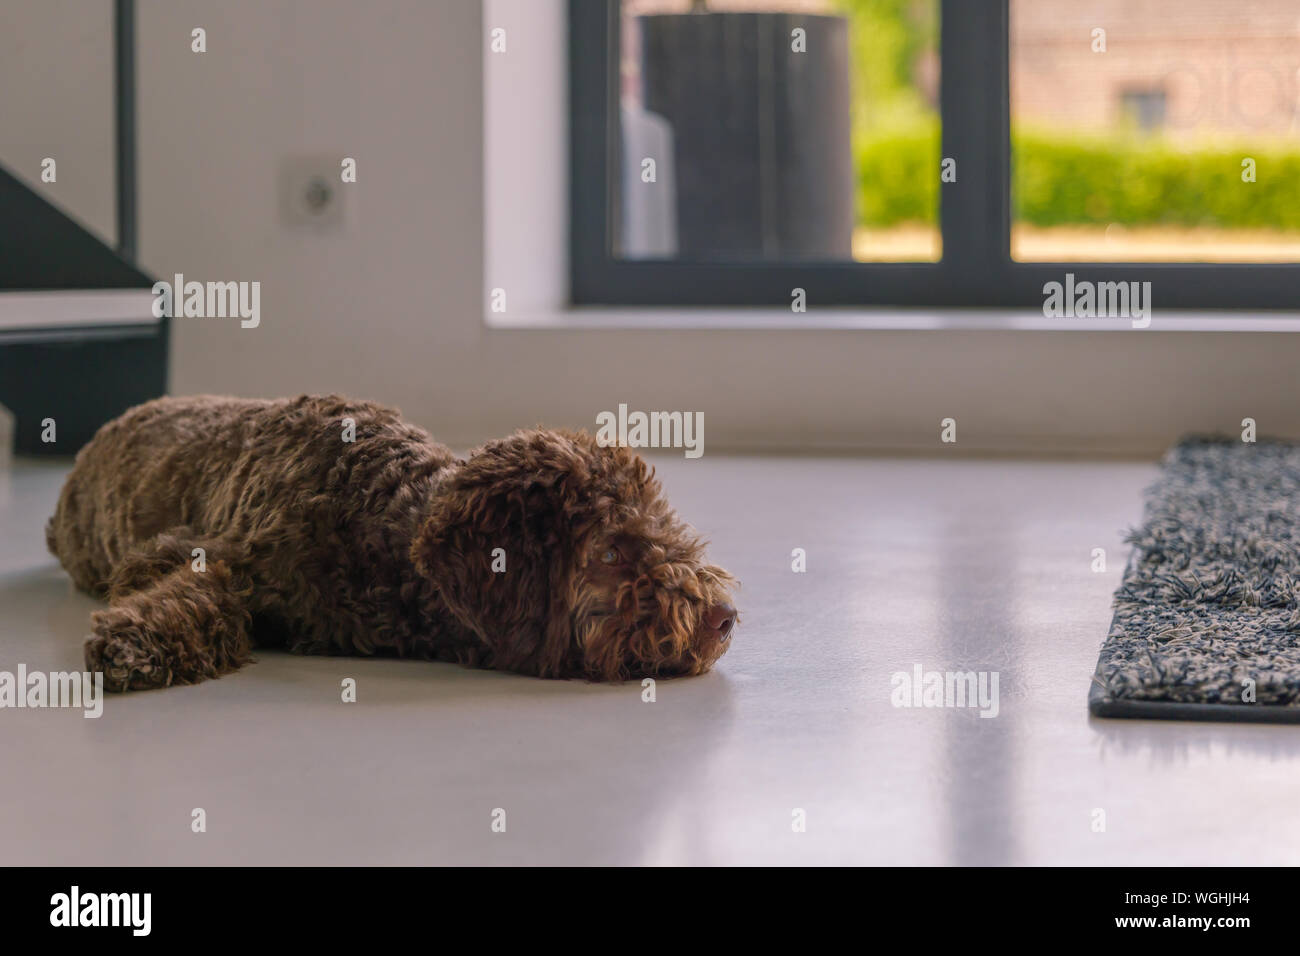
(499,540)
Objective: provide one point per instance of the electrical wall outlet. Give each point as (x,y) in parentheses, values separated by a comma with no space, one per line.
(312,191)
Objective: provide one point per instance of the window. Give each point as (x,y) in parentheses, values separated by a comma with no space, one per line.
(933,152)
(1143,110)
(1166,130)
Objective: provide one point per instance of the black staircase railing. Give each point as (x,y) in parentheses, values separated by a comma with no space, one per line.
(77,376)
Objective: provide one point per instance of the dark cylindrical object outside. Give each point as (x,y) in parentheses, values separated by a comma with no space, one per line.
(760,123)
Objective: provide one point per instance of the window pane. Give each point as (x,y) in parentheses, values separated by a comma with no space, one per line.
(1155,130)
(779,130)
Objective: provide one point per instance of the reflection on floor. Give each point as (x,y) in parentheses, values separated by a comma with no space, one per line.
(954,566)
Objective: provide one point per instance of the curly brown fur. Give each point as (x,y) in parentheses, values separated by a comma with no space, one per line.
(213,525)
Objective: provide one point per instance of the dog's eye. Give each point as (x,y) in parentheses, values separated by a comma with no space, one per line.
(611,556)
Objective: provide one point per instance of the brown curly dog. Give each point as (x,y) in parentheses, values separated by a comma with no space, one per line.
(330,526)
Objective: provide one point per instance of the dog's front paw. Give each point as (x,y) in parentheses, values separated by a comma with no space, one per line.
(124,653)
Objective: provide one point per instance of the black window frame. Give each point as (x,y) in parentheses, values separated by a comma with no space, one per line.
(976,268)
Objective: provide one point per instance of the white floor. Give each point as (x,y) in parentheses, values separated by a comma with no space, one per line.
(962,565)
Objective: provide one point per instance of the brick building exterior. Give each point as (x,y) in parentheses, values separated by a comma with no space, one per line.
(1190,69)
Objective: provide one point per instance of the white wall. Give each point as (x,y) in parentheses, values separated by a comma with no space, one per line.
(392,306)
(385,308)
(56,101)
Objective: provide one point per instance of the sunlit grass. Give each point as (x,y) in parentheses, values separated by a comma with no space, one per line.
(915,242)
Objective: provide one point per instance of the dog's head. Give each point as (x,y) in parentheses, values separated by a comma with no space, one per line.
(564,558)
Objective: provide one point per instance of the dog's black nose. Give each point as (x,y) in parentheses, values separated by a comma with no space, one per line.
(720,618)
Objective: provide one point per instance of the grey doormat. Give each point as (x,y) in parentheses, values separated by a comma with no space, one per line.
(1209,608)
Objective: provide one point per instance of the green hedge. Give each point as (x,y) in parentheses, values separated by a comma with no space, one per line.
(1058,181)
(898,177)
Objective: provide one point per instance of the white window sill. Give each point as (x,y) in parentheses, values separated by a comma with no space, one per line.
(678,318)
